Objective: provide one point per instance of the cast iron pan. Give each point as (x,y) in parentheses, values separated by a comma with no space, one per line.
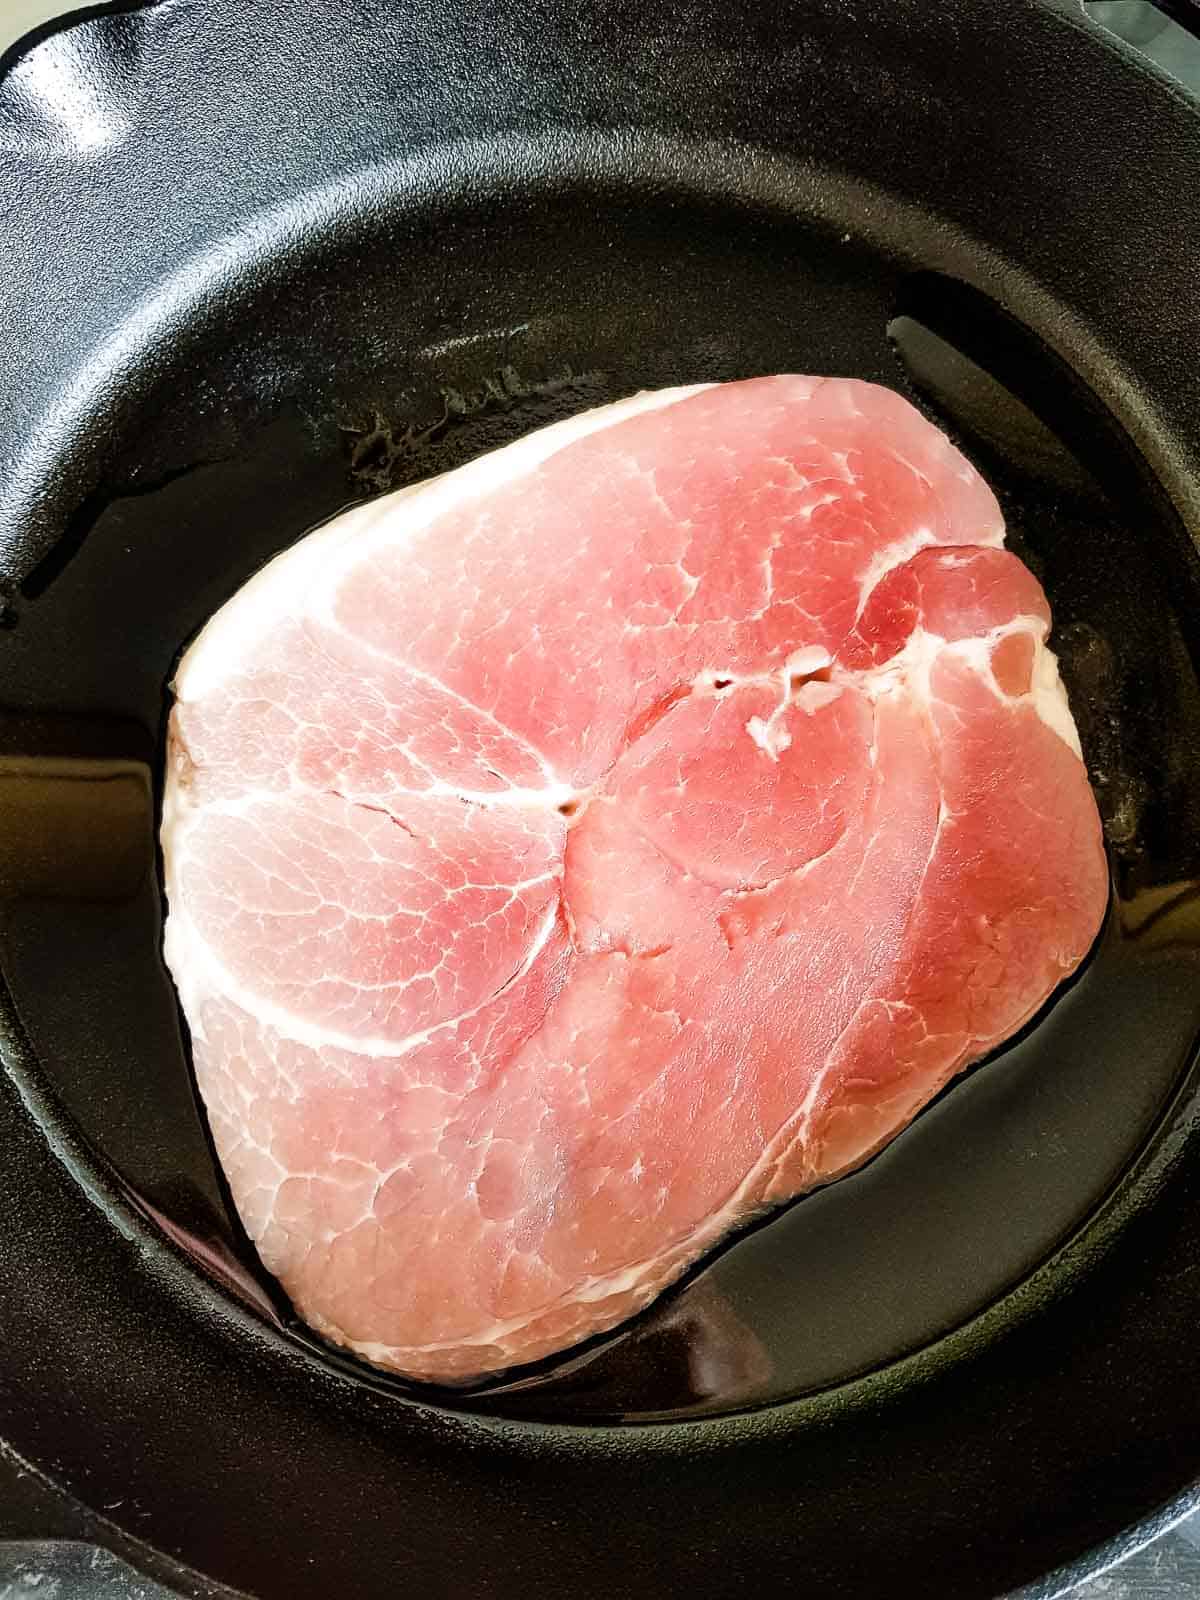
(261,260)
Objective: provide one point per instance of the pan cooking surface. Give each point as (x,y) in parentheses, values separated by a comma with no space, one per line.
(234,456)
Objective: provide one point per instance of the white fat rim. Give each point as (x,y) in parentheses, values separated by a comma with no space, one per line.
(286,586)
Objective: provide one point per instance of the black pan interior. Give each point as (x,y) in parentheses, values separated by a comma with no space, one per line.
(1009,1164)
(401,318)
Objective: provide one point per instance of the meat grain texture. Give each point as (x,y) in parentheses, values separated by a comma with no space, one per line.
(574,855)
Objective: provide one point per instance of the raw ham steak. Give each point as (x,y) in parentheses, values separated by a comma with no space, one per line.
(580,852)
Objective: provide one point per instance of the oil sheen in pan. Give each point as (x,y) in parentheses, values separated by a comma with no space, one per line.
(976,1194)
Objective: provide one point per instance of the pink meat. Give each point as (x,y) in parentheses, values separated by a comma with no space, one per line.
(581,852)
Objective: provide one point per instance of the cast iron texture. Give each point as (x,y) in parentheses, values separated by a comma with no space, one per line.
(232,161)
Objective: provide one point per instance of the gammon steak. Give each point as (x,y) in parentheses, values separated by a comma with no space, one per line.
(576,854)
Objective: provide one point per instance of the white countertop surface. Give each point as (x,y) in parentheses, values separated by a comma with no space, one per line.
(18,16)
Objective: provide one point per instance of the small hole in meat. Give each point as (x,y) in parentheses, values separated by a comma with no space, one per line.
(569,808)
(797,680)
(722,683)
